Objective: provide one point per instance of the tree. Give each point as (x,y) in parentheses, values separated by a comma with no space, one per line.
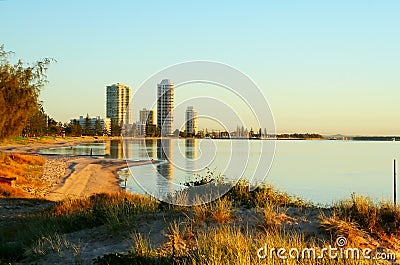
(251,133)
(40,124)
(88,125)
(74,128)
(98,130)
(37,123)
(53,127)
(19,91)
(115,128)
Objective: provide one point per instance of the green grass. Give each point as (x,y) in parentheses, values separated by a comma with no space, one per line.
(210,233)
(222,245)
(114,210)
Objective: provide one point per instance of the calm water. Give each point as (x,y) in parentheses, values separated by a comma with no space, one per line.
(319,171)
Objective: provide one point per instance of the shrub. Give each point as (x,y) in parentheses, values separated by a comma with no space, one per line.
(375,218)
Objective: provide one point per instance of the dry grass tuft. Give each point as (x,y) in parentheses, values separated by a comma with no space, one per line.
(28,159)
(178,240)
(378,219)
(261,196)
(27,168)
(200,213)
(71,206)
(272,219)
(337,227)
(6,191)
(141,245)
(114,208)
(221,210)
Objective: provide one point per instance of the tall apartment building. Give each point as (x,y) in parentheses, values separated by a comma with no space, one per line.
(146,116)
(191,121)
(118,97)
(165,107)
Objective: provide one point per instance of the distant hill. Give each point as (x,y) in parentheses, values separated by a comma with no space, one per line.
(300,136)
(376,138)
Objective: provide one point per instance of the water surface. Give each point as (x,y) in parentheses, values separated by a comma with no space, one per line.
(319,171)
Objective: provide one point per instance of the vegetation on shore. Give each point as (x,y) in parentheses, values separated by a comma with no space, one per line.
(27,235)
(21,111)
(20,86)
(378,220)
(33,141)
(27,168)
(229,230)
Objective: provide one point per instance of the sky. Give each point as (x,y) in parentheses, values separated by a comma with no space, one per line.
(328,67)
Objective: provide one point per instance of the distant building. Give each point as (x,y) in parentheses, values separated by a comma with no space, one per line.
(105,124)
(118,97)
(141,129)
(146,116)
(145,125)
(191,121)
(165,107)
(151,130)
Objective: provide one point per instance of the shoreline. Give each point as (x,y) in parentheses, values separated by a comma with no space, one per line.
(70,177)
(86,176)
(32,147)
(102,168)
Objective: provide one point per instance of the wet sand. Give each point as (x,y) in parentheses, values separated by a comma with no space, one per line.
(80,176)
(88,176)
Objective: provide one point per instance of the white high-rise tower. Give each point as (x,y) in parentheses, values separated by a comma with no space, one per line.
(191,121)
(165,107)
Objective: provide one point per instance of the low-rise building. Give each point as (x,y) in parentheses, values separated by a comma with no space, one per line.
(93,125)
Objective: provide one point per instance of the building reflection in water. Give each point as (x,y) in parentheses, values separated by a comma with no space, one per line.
(165,154)
(113,149)
(165,167)
(138,149)
(191,157)
(150,148)
(127,150)
(161,150)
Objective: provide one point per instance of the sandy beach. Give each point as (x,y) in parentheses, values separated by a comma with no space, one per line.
(88,176)
(74,176)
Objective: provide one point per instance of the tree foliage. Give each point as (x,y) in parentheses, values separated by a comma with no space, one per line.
(98,129)
(20,86)
(87,128)
(73,128)
(115,128)
(300,136)
(37,124)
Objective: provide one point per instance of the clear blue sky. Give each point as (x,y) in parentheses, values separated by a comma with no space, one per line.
(324,66)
